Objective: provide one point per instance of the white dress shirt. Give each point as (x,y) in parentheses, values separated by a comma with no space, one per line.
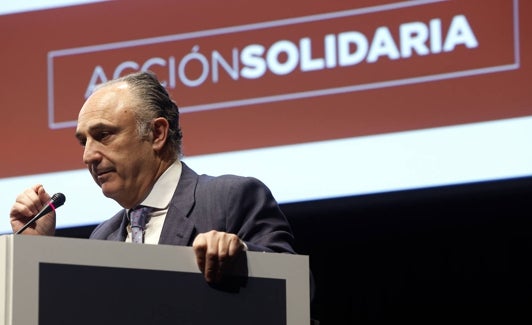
(159,199)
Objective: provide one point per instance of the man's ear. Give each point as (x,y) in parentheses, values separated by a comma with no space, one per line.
(160,132)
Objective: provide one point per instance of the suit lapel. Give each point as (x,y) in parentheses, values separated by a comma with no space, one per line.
(119,234)
(178,229)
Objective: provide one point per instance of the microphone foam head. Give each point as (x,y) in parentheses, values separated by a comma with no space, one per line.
(58,199)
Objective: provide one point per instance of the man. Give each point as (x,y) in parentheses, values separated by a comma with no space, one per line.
(129,129)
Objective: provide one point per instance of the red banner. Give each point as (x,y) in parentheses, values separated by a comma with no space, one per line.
(250,75)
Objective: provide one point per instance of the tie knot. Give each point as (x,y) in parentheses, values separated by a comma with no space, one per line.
(138,216)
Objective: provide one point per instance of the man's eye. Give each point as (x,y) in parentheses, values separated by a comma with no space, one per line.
(102,136)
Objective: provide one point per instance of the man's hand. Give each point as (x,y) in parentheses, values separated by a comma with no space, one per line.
(27,205)
(216,252)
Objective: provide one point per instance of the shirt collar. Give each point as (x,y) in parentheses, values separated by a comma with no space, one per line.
(164,187)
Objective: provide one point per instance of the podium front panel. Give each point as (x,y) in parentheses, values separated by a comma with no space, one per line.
(52,280)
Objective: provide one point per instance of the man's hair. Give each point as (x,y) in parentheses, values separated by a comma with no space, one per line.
(154,101)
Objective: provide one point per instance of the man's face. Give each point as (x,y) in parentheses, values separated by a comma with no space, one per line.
(119,160)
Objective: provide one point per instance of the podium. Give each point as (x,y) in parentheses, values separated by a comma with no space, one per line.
(54,280)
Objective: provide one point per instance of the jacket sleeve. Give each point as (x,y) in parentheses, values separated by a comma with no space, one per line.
(248,209)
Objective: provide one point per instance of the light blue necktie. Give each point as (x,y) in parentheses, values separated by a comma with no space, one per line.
(138,218)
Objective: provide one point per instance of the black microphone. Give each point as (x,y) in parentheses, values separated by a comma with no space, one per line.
(57,200)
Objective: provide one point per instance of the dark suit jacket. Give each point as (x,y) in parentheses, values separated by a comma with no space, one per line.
(240,205)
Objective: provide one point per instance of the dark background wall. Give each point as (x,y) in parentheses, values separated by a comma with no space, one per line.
(448,254)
